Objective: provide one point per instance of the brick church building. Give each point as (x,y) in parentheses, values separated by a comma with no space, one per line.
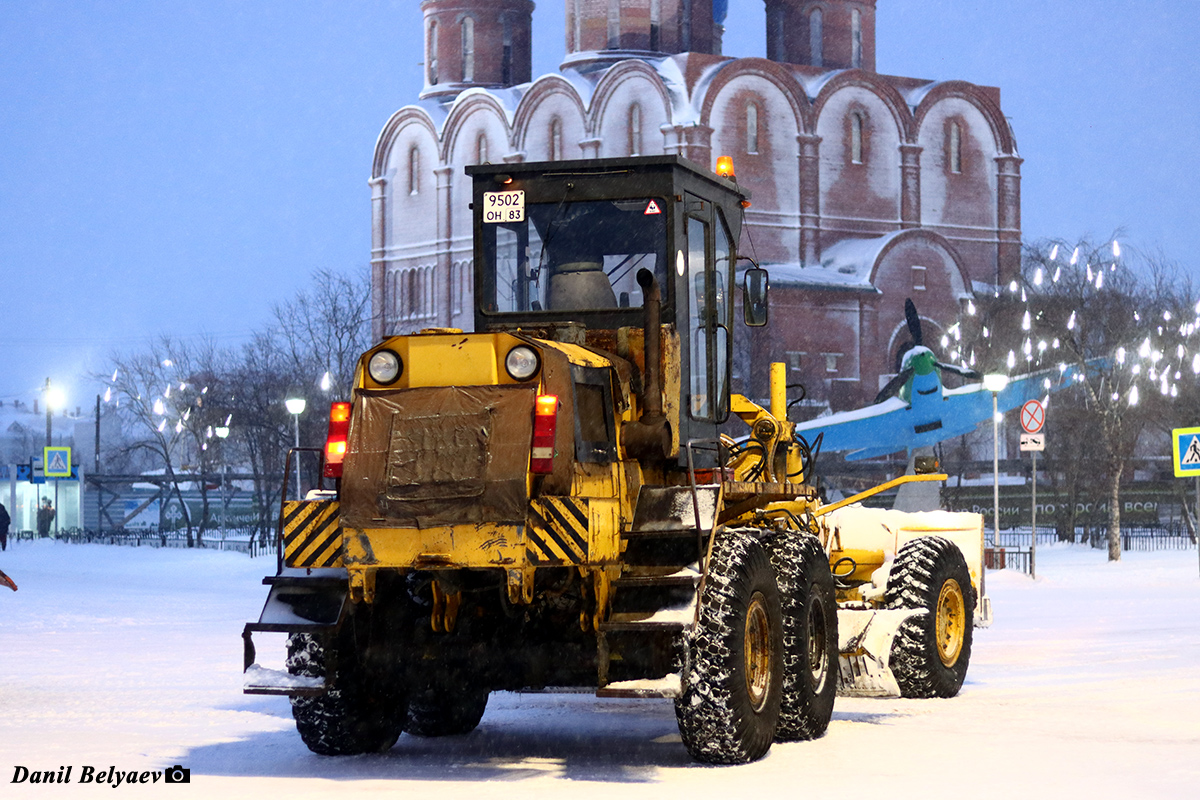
(867,188)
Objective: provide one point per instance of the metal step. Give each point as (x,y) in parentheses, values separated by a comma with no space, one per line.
(664,532)
(690,578)
(665,620)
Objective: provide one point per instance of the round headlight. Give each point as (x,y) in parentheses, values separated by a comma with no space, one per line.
(384,367)
(521,362)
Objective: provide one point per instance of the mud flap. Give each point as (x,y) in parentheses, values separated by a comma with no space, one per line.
(864,649)
(295,604)
(983,612)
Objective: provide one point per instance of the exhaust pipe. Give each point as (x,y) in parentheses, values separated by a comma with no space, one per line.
(650,436)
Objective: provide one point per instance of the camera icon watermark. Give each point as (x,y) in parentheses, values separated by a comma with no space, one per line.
(177,774)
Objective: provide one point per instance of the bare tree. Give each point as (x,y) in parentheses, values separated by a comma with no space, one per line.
(1110,318)
(171,395)
(161,406)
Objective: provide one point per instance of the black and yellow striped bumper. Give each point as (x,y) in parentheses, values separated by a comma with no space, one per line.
(558,531)
(312,534)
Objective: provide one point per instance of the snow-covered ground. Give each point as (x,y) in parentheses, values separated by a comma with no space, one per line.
(1088,685)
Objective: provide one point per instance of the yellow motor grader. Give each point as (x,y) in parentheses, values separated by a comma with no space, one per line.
(555,500)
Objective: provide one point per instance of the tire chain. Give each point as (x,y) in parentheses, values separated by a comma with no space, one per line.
(792,555)
(327,722)
(910,586)
(707,723)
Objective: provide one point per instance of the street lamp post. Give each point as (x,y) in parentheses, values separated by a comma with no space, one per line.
(54,398)
(222,432)
(995,383)
(295,407)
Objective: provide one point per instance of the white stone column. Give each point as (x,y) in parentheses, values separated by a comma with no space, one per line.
(444,175)
(379,310)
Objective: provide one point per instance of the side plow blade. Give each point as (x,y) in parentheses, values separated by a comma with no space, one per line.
(864,648)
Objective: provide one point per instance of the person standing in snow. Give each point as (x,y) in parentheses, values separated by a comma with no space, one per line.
(45,516)
(5,521)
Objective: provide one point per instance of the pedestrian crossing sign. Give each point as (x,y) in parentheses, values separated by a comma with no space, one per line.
(57,461)
(1185,446)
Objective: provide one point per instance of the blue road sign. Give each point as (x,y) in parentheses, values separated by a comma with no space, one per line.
(1185,447)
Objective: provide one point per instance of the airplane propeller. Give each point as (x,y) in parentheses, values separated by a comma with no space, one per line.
(904,369)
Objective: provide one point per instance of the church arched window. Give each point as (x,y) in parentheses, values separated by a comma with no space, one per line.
(635,130)
(394,306)
(481,149)
(556,139)
(432,58)
(414,171)
(577,27)
(816,37)
(655,23)
(856,39)
(751,127)
(954,148)
(468,49)
(506,59)
(856,137)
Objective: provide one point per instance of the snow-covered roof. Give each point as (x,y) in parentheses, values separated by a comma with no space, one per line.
(848,264)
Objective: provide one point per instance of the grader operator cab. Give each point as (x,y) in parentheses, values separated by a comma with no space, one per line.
(549,501)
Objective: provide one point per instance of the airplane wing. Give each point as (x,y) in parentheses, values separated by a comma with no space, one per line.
(862,427)
(893,425)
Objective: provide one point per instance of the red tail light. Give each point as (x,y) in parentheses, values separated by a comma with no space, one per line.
(545,422)
(335,443)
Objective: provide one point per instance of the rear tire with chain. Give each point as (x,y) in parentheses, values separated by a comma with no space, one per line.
(810,636)
(733,663)
(355,715)
(438,711)
(932,651)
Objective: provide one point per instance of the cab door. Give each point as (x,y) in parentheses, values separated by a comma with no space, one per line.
(709,278)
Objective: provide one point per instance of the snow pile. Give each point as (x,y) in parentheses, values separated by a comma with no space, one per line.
(260,677)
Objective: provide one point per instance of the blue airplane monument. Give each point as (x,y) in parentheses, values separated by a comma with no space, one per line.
(915,411)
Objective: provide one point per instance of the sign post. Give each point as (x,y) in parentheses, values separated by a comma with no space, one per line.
(1033,418)
(1185,447)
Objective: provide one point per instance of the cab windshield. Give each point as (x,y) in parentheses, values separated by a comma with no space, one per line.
(581,256)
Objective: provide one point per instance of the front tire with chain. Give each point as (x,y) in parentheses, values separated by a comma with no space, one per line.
(733,663)
(930,654)
(810,636)
(354,715)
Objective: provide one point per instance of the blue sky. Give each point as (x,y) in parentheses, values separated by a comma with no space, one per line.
(176,167)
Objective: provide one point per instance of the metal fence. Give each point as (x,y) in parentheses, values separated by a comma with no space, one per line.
(247,541)
(1010,549)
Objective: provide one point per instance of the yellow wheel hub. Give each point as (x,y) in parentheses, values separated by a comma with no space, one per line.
(757,650)
(951,622)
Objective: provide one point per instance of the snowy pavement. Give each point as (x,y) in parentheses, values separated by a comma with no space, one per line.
(1088,684)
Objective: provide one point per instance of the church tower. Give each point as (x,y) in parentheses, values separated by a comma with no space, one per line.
(476,43)
(834,34)
(605,31)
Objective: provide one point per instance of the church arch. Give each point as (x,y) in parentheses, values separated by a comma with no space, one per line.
(959,148)
(756,110)
(550,97)
(861,122)
(630,83)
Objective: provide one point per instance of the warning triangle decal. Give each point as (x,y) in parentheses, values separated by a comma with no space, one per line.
(1192,456)
(652,208)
